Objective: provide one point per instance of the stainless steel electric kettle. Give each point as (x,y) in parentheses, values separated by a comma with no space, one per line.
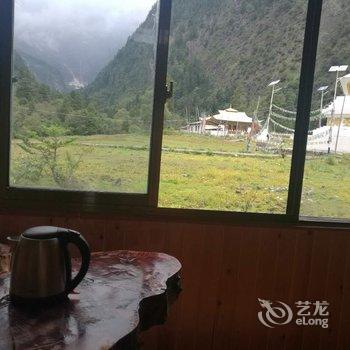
(41,265)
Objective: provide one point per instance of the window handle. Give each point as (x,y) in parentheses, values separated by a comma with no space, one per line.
(169,90)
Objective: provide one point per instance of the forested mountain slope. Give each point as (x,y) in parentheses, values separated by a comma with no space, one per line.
(36,106)
(226,51)
(130,74)
(48,74)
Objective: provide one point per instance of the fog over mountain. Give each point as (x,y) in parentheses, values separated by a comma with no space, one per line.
(68,41)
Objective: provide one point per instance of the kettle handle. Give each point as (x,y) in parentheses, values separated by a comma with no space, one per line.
(77,239)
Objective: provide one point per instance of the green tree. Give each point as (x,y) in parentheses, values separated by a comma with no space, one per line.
(46,156)
(122,121)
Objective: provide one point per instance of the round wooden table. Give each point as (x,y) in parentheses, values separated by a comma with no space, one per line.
(123,293)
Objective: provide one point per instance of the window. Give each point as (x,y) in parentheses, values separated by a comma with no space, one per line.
(73,128)
(86,113)
(229,128)
(326,191)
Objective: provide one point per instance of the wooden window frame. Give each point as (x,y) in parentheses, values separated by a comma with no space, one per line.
(45,200)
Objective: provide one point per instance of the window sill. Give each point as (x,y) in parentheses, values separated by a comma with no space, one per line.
(108,211)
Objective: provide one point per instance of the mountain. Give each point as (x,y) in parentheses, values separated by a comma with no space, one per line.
(131,71)
(36,106)
(26,87)
(225,52)
(221,53)
(66,63)
(50,75)
(66,43)
(34,103)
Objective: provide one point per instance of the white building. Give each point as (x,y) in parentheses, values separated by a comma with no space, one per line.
(336,134)
(345,83)
(341,108)
(232,121)
(227,122)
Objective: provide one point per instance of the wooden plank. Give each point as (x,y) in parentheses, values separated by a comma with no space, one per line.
(136,234)
(316,289)
(245,300)
(168,334)
(264,286)
(193,262)
(208,294)
(114,236)
(229,281)
(282,282)
(157,232)
(155,242)
(299,282)
(343,337)
(335,288)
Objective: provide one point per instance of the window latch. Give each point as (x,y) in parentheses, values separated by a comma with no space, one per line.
(169,90)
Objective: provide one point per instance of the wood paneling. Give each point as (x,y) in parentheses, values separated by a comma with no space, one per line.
(226,268)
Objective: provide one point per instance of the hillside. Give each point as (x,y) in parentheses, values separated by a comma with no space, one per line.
(64,42)
(36,106)
(130,73)
(29,97)
(27,90)
(226,53)
(219,55)
(50,75)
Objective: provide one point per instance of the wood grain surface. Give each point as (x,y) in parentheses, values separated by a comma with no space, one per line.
(226,267)
(123,293)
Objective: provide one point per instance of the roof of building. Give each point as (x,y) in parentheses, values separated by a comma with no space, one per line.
(232,115)
(231,110)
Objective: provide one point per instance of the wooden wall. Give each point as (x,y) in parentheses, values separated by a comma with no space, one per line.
(226,268)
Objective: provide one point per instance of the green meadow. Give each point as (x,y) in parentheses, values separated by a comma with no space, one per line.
(197,171)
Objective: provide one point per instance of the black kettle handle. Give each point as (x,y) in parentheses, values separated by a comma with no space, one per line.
(77,239)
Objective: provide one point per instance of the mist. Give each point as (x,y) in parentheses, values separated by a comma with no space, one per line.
(80,35)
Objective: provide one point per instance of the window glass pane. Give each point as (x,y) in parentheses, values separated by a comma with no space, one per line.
(229,128)
(83,94)
(326,191)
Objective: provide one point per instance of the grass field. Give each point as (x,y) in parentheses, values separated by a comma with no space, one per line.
(194,176)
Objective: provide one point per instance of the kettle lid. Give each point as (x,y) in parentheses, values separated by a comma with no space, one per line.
(43,232)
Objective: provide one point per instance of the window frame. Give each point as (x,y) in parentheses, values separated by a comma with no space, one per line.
(306,85)
(83,200)
(15,198)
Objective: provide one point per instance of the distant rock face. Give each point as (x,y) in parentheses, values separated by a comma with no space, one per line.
(59,70)
(54,76)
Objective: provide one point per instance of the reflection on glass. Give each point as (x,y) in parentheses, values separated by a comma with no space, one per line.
(229,128)
(326,191)
(83,94)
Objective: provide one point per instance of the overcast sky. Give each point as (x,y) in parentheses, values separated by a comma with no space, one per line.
(92,29)
(90,16)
